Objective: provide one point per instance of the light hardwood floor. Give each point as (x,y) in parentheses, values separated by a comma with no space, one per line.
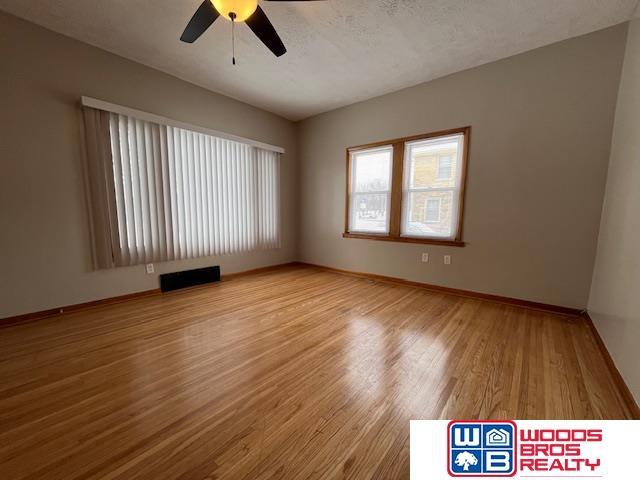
(294,374)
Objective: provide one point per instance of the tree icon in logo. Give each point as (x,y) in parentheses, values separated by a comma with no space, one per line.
(466,460)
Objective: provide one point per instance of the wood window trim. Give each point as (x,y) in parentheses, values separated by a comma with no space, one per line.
(397,181)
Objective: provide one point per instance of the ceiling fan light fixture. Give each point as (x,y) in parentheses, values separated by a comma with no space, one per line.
(242,9)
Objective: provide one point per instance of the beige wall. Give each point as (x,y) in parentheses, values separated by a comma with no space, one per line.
(542,125)
(614,303)
(541,132)
(45,258)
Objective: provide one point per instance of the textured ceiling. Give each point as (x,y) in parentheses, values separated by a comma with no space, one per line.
(340,51)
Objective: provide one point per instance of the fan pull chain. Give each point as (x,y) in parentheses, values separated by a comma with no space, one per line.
(233,36)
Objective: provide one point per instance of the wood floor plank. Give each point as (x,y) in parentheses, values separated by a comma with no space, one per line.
(296,373)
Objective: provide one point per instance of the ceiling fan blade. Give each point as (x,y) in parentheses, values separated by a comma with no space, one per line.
(261,26)
(205,15)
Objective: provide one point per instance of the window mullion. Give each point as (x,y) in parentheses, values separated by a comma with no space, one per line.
(396,189)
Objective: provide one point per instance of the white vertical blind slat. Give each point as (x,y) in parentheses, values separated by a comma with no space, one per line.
(272,203)
(224,225)
(251,188)
(164,202)
(245,199)
(236,197)
(183,162)
(238,207)
(261,216)
(206,187)
(136,160)
(127,216)
(218,196)
(152,186)
(191,191)
(119,249)
(173,189)
(233,203)
(198,195)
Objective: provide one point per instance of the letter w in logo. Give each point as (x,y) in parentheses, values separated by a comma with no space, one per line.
(466,436)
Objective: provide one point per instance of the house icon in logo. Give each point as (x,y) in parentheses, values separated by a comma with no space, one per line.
(497,437)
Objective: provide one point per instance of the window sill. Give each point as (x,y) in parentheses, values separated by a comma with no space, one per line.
(387,238)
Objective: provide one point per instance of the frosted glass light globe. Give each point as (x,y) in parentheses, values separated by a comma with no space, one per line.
(242,8)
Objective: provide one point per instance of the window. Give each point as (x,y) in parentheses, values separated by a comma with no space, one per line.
(163,193)
(423,185)
(409,189)
(370,190)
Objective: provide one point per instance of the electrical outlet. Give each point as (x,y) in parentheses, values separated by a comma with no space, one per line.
(149,268)
(425,258)
(447,259)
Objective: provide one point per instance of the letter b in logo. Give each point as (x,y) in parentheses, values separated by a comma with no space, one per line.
(497,461)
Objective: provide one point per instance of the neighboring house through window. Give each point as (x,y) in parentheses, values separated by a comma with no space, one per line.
(444,167)
(432,210)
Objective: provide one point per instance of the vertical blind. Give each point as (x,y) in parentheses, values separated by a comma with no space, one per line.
(162,193)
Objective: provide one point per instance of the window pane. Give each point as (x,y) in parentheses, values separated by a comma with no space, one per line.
(372,170)
(430,214)
(370,186)
(370,213)
(432,210)
(433,163)
(445,164)
(432,183)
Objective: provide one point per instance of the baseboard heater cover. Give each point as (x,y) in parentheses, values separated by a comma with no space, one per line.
(189,278)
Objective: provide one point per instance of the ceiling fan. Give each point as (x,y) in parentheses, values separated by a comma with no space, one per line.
(247,11)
